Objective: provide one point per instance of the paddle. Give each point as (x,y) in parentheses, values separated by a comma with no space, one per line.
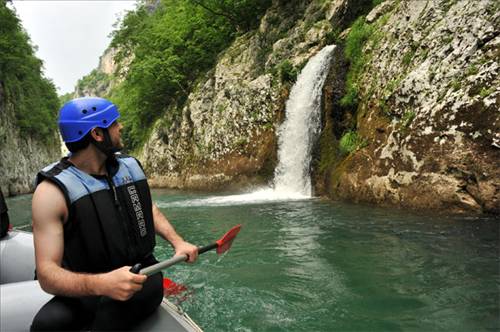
(171,288)
(222,245)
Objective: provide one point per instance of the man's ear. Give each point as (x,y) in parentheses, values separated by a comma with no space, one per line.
(97,134)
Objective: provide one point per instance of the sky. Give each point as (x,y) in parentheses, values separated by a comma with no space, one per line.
(70,35)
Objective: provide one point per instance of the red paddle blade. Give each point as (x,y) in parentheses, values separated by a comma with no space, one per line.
(224,243)
(171,288)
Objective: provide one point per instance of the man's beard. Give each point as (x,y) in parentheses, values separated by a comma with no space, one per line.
(107,147)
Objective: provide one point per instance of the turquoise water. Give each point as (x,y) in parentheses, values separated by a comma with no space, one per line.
(316,265)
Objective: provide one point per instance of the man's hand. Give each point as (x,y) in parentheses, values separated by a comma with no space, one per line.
(120,284)
(188,249)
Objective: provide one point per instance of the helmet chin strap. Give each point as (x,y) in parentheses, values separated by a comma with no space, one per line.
(106,146)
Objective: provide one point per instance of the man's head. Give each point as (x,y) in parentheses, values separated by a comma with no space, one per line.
(89,120)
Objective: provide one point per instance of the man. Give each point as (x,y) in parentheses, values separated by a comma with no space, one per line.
(4,216)
(93,219)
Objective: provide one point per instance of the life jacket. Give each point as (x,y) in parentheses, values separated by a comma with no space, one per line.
(110,220)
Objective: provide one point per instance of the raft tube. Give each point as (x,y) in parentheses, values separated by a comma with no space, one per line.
(21,297)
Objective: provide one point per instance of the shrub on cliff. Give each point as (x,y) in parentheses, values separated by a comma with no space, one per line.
(287,72)
(350,142)
(359,34)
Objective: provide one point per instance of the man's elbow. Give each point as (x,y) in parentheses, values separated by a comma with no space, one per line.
(46,287)
(45,281)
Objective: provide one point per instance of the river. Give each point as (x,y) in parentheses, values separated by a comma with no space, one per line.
(318,265)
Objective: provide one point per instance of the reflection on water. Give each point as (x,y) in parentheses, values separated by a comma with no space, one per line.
(313,265)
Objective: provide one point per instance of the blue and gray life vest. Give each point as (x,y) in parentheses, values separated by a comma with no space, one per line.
(110,221)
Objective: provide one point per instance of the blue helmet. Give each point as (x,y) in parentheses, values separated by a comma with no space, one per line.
(79,116)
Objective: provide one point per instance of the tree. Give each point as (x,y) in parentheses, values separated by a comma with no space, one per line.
(243,15)
(32,96)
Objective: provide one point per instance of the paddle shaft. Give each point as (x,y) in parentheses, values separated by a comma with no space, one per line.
(222,245)
(169,262)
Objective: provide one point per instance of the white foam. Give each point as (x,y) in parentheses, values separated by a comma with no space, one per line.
(266,195)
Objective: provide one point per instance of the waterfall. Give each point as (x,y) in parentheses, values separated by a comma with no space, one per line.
(296,136)
(302,125)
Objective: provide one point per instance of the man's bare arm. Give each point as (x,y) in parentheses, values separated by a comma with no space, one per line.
(165,230)
(49,212)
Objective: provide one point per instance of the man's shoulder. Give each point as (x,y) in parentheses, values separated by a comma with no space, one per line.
(51,171)
(50,190)
(55,168)
(48,185)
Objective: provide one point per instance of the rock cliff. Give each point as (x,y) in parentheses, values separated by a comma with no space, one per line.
(101,80)
(429,112)
(21,156)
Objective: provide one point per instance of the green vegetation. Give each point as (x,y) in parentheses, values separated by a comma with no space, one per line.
(332,37)
(392,85)
(472,70)
(241,142)
(242,15)
(170,49)
(410,54)
(456,85)
(328,146)
(93,80)
(408,57)
(485,92)
(287,72)
(63,99)
(32,96)
(447,4)
(359,34)
(424,54)
(384,108)
(448,39)
(221,108)
(350,142)
(407,118)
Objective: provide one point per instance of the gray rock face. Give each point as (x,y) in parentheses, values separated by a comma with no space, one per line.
(224,118)
(21,157)
(430,109)
(101,80)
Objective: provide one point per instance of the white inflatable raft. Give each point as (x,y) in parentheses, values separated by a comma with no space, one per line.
(21,297)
